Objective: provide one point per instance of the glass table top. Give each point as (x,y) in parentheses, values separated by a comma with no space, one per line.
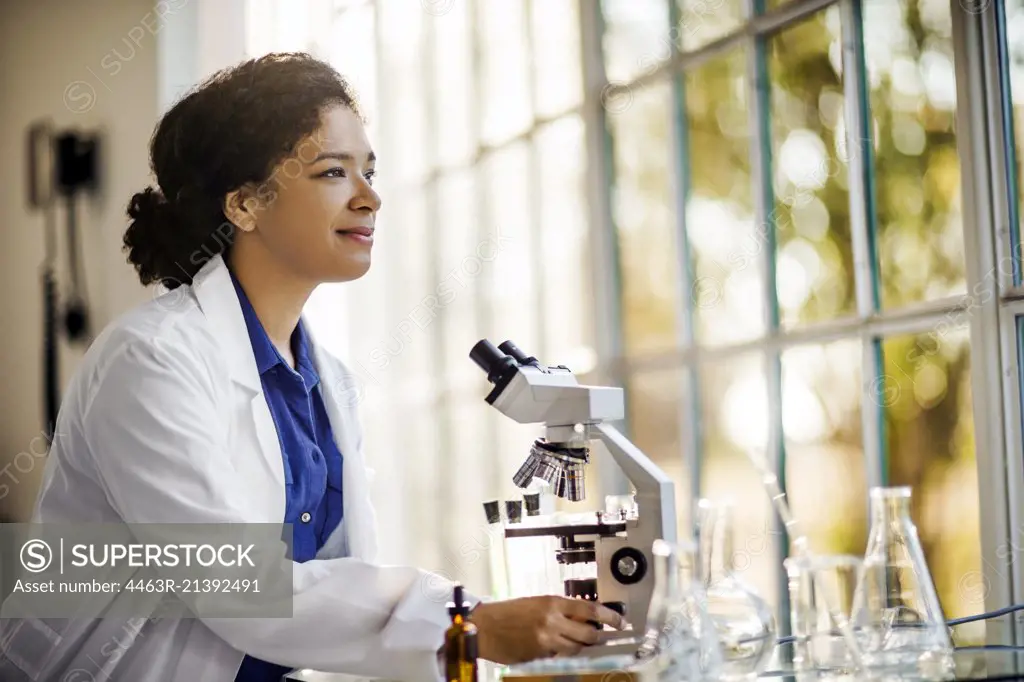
(971,663)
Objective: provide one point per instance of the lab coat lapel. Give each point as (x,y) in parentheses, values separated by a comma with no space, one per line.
(219,302)
(339,398)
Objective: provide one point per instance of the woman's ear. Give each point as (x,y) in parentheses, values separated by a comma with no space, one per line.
(241,208)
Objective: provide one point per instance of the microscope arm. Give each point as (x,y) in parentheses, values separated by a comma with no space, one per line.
(655,492)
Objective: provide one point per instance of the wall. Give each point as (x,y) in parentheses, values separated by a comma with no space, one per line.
(113,65)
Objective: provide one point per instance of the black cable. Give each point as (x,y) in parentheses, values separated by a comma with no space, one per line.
(951,623)
(76,312)
(49,236)
(72,235)
(50,361)
(985,616)
(51,367)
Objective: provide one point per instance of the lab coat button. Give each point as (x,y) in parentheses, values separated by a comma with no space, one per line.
(306,517)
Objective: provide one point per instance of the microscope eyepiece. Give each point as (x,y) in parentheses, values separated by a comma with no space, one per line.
(512,349)
(491,360)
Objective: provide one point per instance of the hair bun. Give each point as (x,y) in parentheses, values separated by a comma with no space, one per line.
(150,236)
(146,204)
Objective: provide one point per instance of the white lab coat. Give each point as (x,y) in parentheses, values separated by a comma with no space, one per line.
(165,422)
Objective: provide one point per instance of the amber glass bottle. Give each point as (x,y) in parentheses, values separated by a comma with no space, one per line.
(460,645)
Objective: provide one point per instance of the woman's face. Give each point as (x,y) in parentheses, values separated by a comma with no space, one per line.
(316,213)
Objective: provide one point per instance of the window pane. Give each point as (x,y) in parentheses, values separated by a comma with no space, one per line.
(636,37)
(734,411)
(814,267)
(401,40)
(400,355)
(291,26)
(909,56)
(644,216)
(726,245)
(505,255)
(703,21)
(654,401)
(393,366)
(557,70)
(452,78)
(506,84)
(565,246)
(454,297)
(468,540)
(821,421)
(423,481)
(930,427)
(350,49)
(1014,46)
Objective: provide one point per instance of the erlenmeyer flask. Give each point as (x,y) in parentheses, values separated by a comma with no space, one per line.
(680,640)
(897,617)
(745,624)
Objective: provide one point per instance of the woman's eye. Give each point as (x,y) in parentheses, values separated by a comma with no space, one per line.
(369,175)
(333,173)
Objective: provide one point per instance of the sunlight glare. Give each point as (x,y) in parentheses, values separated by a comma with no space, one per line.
(803,417)
(803,160)
(745,407)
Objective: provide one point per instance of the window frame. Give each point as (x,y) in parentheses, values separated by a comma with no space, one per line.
(985,146)
(995,335)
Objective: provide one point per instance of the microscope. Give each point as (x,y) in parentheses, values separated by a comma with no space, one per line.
(575,417)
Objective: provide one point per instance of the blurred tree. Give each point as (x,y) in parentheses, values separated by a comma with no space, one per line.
(918,235)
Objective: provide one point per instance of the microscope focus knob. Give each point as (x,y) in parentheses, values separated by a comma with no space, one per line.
(629,566)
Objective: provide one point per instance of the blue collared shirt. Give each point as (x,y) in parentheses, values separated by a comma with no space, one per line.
(312,461)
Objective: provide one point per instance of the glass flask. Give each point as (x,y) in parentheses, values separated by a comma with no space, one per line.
(680,640)
(743,620)
(821,596)
(897,619)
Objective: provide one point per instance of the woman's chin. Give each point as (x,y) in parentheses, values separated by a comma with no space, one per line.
(351,268)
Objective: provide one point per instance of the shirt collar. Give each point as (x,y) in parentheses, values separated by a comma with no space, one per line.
(264,352)
(303,357)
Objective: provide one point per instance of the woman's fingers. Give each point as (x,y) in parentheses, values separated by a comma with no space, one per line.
(581,633)
(564,646)
(582,610)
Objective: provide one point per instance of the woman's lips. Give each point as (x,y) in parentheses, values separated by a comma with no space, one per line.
(363,235)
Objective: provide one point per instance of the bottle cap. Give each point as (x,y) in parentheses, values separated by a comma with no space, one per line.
(493,511)
(458,606)
(532,501)
(514,510)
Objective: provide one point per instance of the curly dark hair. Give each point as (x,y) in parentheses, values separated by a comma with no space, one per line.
(230,131)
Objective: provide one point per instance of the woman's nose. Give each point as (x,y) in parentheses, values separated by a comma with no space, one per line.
(366,197)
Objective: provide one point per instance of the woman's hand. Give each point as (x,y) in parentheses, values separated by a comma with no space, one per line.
(520,630)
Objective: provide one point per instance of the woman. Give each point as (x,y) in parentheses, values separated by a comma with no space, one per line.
(213,404)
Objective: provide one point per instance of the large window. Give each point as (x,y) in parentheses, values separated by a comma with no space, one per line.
(475,112)
(787,200)
(789,228)
(795,255)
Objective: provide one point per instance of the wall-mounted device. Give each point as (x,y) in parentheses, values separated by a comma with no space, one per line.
(62,164)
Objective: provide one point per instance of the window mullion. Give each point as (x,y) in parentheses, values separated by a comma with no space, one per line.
(764,203)
(973,128)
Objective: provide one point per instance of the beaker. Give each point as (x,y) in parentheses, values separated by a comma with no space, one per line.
(897,617)
(681,638)
(821,596)
(744,621)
